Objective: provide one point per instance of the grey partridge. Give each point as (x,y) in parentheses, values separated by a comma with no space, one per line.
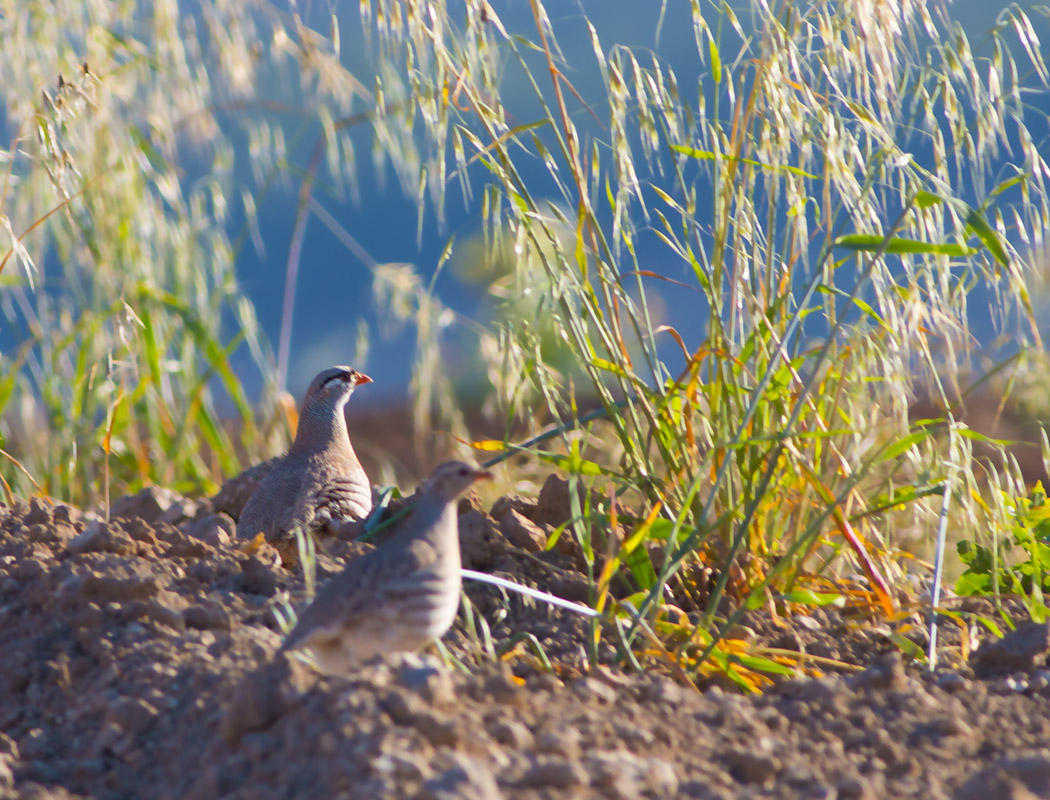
(399,596)
(319,483)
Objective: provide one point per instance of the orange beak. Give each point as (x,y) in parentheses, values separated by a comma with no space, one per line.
(362,378)
(482,475)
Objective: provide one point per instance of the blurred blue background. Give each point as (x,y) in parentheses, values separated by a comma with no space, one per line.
(334,285)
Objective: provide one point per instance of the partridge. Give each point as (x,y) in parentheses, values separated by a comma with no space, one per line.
(401,595)
(319,482)
(235,492)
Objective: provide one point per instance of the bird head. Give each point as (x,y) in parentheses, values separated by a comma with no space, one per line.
(451,479)
(333,387)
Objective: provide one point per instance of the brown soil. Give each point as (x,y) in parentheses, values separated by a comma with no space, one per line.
(137,661)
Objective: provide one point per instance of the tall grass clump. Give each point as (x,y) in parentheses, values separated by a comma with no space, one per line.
(715,294)
(117,286)
(141,150)
(832,191)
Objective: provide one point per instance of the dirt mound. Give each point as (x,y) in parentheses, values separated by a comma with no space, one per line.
(137,661)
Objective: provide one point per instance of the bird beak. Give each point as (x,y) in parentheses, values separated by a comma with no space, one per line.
(362,378)
(482,475)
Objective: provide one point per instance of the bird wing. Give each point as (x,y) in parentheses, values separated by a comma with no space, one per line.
(238,490)
(268,509)
(317,504)
(353,596)
(340,498)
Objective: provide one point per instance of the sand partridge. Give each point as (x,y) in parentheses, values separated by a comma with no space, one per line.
(320,482)
(238,490)
(401,595)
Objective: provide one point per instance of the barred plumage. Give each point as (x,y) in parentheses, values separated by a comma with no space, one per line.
(319,483)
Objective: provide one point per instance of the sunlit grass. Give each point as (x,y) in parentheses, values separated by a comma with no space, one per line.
(120,302)
(830,191)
